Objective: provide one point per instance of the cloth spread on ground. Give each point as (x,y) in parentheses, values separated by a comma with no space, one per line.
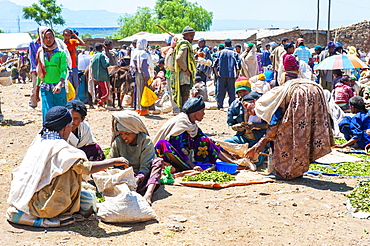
(243,177)
(175,126)
(84,137)
(45,159)
(337,157)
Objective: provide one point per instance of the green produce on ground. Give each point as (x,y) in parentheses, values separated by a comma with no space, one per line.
(106,151)
(360,168)
(213,176)
(99,197)
(340,140)
(360,196)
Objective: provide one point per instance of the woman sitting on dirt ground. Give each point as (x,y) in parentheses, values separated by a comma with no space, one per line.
(182,143)
(356,129)
(81,136)
(299,125)
(130,139)
(46,187)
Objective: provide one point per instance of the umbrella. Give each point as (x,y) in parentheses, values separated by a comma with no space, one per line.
(23,46)
(340,62)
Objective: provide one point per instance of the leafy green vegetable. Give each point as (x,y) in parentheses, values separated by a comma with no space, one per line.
(106,151)
(99,197)
(360,168)
(360,196)
(214,176)
(340,140)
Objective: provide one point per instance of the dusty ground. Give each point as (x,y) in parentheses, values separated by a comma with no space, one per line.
(307,211)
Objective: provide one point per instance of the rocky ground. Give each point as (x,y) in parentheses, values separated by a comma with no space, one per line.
(306,211)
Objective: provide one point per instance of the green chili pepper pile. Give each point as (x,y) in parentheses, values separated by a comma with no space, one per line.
(360,168)
(340,140)
(106,151)
(360,196)
(214,176)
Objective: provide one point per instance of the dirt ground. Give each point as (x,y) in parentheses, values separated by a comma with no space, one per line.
(306,211)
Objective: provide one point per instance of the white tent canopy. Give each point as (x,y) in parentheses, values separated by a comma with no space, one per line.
(10,41)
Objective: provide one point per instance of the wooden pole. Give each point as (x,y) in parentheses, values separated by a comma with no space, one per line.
(317,21)
(328,34)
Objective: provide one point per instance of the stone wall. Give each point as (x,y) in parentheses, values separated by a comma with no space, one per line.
(308,35)
(354,35)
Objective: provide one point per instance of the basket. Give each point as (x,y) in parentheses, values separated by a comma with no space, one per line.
(226,167)
(6,81)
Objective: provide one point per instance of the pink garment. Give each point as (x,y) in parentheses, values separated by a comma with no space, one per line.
(342,93)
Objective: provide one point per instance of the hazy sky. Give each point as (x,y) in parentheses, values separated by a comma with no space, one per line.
(356,10)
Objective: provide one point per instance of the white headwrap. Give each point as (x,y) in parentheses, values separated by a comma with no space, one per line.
(128,121)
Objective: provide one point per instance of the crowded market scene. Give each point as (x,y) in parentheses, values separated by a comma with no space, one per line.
(229,141)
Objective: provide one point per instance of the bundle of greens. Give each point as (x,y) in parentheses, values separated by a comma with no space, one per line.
(214,176)
(360,168)
(360,196)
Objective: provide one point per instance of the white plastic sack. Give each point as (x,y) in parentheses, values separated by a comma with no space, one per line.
(122,203)
(6,81)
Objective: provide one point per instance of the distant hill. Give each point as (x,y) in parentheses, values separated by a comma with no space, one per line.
(73,18)
(85,21)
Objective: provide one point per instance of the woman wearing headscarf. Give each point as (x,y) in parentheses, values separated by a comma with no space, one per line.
(46,187)
(299,126)
(130,139)
(81,136)
(52,67)
(182,143)
(142,65)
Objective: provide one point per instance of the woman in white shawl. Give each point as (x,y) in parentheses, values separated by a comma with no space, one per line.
(249,61)
(142,65)
(46,187)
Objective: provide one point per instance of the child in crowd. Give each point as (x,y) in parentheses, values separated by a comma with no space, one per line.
(199,88)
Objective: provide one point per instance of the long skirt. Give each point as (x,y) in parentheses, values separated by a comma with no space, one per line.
(177,150)
(49,100)
(303,134)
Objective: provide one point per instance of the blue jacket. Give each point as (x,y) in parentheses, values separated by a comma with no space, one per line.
(227,62)
(235,114)
(266,58)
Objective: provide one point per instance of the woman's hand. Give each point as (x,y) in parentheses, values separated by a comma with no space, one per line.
(121,161)
(337,145)
(252,153)
(198,169)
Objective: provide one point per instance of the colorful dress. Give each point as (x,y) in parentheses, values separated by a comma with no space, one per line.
(179,149)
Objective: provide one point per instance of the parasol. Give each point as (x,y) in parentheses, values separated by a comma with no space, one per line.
(340,62)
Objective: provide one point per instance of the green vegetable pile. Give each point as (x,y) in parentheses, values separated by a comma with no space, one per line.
(360,168)
(106,151)
(360,196)
(99,197)
(340,140)
(214,176)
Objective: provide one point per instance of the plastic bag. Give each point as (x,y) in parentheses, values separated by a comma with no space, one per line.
(148,98)
(71,93)
(122,203)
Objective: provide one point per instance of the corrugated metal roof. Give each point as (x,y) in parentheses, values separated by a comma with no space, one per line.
(10,41)
(217,35)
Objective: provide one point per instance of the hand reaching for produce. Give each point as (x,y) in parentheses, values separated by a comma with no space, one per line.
(197,168)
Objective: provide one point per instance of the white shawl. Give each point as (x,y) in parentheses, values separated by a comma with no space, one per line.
(267,105)
(84,138)
(44,160)
(175,126)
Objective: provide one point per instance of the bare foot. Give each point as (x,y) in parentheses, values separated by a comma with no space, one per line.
(148,198)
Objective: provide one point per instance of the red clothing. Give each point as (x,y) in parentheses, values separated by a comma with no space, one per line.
(71,46)
(290,64)
(103,92)
(342,93)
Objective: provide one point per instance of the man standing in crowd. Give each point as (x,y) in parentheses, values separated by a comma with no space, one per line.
(326,76)
(203,70)
(99,66)
(276,57)
(266,57)
(110,53)
(290,63)
(228,66)
(34,46)
(72,41)
(301,51)
(185,67)
(123,57)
